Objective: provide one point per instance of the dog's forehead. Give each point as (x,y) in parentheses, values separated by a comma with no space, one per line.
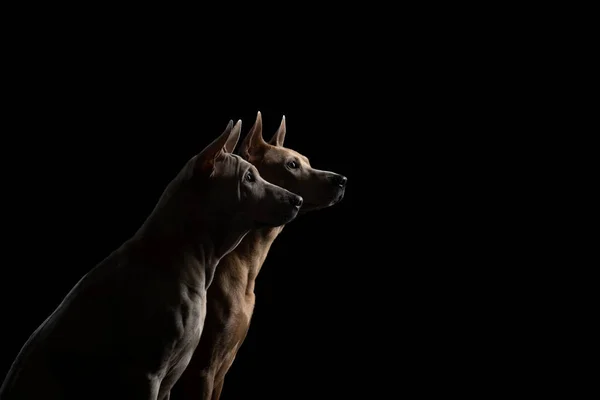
(302,158)
(287,153)
(239,162)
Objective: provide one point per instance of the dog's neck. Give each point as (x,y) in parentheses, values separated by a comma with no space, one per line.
(253,250)
(190,250)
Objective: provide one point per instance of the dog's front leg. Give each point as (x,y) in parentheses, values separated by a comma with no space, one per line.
(166,396)
(141,387)
(201,388)
(194,385)
(218,387)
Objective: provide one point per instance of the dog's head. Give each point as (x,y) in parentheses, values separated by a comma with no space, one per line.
(229,187)
(290,169)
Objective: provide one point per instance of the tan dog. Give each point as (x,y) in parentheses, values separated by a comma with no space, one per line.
(231,296)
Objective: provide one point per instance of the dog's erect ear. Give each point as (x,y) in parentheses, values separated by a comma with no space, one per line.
(218,147)
(254,139)
(279,136)
(234,136)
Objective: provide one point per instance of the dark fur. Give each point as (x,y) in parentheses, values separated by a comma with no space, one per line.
(231,296)
(128,329)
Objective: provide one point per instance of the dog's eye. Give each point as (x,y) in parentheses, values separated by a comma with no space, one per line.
(250,177)
(293,164)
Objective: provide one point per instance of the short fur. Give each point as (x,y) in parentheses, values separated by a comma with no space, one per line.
(231,297)
(128,328)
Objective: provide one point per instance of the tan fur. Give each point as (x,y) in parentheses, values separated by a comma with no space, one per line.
(231,296)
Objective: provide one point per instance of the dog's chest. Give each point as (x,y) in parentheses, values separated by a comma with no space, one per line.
(235,322)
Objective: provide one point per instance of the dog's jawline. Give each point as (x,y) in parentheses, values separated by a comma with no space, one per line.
(306,207)
(262,225)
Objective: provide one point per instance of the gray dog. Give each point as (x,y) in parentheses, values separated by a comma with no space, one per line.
(130,326)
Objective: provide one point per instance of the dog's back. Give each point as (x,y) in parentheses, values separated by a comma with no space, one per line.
(129,328)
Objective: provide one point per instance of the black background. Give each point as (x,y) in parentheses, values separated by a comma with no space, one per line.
(374,292)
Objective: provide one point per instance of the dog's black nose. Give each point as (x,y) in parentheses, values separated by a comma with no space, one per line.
(296,201)
(340,180)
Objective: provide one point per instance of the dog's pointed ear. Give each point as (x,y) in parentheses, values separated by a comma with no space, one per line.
(279,136)
(254,139)
(217,149)
(234,136)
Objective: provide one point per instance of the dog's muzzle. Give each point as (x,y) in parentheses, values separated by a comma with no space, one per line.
(339,180)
